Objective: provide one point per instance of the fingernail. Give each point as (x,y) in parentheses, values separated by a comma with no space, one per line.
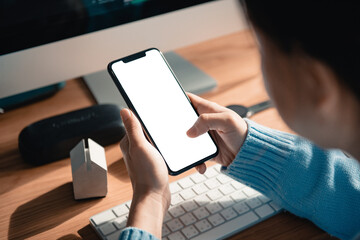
(191,132)
(125,114)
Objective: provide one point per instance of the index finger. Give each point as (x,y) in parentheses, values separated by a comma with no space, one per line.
(204,106)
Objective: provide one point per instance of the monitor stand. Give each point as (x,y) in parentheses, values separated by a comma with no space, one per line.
(191,78)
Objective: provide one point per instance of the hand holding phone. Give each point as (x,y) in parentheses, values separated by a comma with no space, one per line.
(149,177)
(153,93)
(229,130)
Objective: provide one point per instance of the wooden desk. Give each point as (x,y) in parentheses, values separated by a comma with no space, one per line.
(38,203)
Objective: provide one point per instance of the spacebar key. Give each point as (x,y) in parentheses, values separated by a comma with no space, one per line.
(231,227)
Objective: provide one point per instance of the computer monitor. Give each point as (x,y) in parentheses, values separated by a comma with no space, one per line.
(48,41)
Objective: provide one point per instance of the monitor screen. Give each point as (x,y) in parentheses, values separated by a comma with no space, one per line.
(25,23)
(44,42)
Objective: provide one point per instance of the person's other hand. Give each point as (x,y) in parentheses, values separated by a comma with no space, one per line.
(149,177)
(228,129)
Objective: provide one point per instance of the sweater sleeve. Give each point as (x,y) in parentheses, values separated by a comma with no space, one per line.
(131,233)
(320,185)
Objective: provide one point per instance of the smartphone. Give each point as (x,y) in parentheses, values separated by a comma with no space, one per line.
(152,91)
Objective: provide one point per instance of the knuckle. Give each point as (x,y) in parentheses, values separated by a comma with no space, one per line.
(203,122)
(203,118)
(231,118)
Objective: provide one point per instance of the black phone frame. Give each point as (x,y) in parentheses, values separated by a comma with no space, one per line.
(133,57)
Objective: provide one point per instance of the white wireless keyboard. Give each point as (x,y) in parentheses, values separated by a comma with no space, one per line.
(208,206)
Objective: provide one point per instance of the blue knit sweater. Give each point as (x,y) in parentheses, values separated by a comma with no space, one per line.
(320,185)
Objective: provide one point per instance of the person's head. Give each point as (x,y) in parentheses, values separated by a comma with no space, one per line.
(310,57)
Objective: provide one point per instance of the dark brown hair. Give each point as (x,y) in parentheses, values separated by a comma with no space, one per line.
(327,30)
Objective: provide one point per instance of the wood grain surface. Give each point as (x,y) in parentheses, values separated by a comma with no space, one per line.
(38,202)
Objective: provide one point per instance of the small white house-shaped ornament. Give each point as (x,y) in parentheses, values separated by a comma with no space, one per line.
(89,170)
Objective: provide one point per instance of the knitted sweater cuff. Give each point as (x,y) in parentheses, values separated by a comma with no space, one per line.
(135,233)
(262,158)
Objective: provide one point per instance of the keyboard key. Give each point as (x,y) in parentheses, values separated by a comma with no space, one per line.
(253,202)
(176,236)
(216,219)
(190,231)
(187,194)
(226,189)
(165,231)
(203,225)
(233,225)
(188,219)
(210,172)
(176,211)
(214,194)
(174,225)
(250,192)
(201,213)
(217,167)
(198,178)
(241,208)
(264,211)
(223,179)
(114,236)
(275,206)
(238,196)
(213,207)
(176,199)
(264,198)
(121,210)
(212,183)
(226,202)
(202,200)
(174,187)
(120,222)
(107,228)
(103,217)
(228,213)
(200,188)
(186,183)
(167,217)
(237,185)
(189,206)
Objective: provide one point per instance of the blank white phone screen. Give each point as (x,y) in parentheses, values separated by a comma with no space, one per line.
(164,109)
